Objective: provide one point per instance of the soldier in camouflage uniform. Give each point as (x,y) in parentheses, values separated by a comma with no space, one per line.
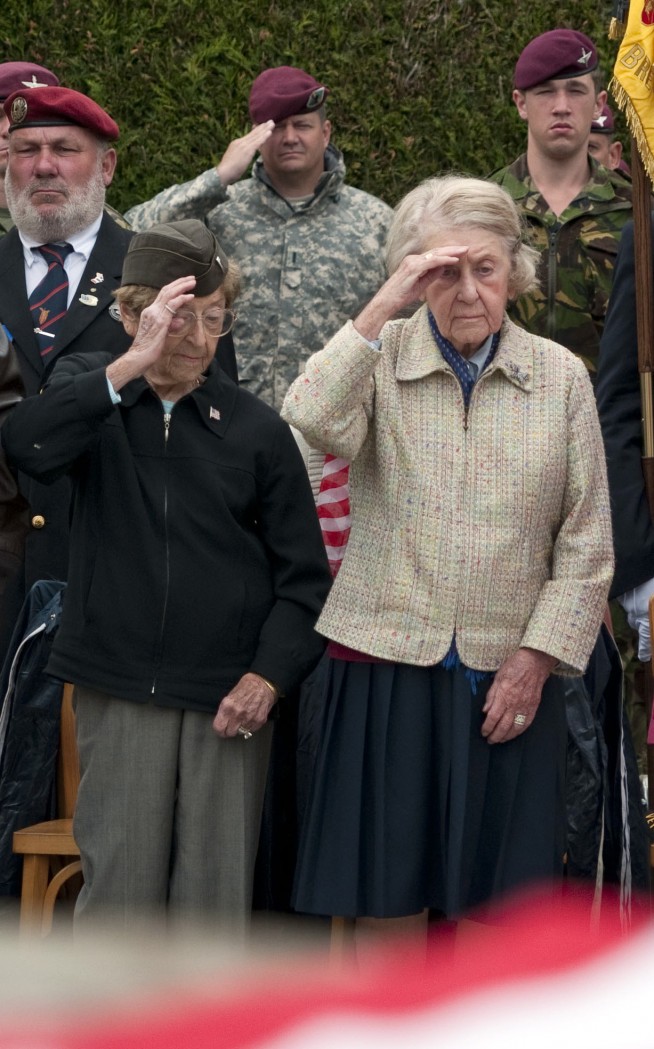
(575,211)
(309,246)
(574,208)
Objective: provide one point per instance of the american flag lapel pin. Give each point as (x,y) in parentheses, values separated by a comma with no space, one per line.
(214,414)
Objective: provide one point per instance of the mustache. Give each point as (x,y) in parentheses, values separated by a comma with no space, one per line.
(42,185)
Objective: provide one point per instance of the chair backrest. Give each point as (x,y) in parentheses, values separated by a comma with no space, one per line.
(68,758)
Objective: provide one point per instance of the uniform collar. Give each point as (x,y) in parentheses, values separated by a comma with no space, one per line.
(600,185)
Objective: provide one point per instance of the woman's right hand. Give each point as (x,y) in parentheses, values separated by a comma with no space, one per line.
(150,332)
(407,285)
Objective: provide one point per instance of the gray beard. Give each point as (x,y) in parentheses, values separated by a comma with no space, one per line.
(81,208)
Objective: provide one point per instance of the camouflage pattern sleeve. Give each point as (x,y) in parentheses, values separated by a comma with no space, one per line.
(190,200)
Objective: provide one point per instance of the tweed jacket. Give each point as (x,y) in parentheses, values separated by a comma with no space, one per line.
(492,523)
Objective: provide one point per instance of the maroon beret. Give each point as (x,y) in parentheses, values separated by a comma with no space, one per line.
(283,92)
(603,124)
(16,76)
(57,107)
(557,55)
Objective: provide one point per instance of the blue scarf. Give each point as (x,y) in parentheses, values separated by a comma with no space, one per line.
(457,363)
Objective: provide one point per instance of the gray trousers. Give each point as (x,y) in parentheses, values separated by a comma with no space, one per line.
(168,813)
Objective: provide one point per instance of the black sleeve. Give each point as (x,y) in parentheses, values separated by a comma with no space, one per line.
(47,433)
(619,406)
(289,647)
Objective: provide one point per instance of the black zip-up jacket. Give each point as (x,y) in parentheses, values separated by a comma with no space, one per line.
(196,553)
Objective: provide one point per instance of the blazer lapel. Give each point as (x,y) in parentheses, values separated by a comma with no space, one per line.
(95,290)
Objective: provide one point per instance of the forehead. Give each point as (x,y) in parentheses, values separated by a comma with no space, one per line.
(312,119)
(205,302)
(481,243)
(68,134)
(584,83)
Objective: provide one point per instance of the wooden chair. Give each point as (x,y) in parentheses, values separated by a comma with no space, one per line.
(50,854)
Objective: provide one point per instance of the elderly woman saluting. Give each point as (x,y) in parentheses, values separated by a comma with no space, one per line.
(476,572)
(197,576)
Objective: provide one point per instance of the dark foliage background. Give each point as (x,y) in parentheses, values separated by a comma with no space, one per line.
(419,86)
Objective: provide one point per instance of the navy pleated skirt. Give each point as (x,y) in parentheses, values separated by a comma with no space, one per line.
(411,808)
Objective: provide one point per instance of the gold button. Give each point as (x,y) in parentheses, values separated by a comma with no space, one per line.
(38,521)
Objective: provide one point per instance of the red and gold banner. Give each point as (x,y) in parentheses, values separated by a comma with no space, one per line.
(632,85)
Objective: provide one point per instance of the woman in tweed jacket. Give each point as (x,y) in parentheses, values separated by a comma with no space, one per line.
(476,573)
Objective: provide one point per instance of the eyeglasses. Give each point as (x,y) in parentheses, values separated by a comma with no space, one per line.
(215,321)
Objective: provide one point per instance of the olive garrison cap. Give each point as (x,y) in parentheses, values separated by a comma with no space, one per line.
(604,123)
(171,250)
(284,92)
(557,55)
(17,76)
(58,107)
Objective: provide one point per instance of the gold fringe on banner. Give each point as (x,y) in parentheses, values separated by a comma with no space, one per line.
(623,100)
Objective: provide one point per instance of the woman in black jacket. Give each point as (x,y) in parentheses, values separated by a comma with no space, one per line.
(197,573)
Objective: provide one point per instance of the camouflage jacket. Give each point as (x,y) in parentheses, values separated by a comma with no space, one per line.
(578,251)
(306,267)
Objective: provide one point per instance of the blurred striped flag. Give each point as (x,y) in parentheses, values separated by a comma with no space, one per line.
(333,503)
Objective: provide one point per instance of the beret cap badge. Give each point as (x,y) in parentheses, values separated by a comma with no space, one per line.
(316,98)
(18,110)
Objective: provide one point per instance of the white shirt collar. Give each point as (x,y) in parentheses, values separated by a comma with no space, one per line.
(82,242)
(480,355)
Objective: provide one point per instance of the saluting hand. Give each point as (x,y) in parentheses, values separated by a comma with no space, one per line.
(241,152)
(405,286)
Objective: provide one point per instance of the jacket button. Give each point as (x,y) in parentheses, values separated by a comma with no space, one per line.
(38,521)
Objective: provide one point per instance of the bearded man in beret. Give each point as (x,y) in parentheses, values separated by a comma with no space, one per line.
(575,209)
(310,247)
(61,160)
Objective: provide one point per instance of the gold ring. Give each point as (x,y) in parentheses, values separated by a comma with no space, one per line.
(170,309)
(519,719)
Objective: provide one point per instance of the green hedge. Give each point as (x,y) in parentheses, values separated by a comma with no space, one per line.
(419,86)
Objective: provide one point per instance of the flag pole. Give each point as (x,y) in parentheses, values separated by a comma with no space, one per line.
(642,168)
(644,274)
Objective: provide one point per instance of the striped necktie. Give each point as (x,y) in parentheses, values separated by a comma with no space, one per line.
(49,300)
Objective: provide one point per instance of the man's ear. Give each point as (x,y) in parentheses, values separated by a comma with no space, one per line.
(520,103)
(600,102)
(109,158)
(615,153)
